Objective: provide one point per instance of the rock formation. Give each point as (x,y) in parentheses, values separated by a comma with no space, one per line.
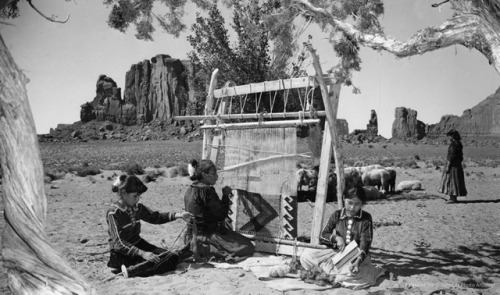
(483,120)
(154,90)
(372,126)
(406,125)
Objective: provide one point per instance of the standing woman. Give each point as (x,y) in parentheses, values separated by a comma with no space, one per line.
(207,233)
(452,181)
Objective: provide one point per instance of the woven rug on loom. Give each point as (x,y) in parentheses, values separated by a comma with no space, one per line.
(260,164)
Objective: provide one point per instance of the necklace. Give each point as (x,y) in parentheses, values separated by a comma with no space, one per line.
(348,233)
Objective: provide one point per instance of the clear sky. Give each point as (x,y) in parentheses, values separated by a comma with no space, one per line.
(63,62)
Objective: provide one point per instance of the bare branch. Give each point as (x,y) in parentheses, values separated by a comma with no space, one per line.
(440,3)
(52,18)
(458,30)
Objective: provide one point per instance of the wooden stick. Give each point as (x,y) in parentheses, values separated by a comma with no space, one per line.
(209,105)
(267,86)
(253,116)
(283,241)
(266,124)
(229,168)
(331,107)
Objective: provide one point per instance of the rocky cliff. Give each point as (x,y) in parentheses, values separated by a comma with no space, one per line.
(406,125)
(155,89)
(483,120)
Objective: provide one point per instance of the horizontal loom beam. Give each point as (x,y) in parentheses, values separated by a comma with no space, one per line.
(254,116)
(292,83)
(264,124)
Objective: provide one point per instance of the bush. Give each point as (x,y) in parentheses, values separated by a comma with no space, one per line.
(55,174)
(171,172)
(86,170)
(133,168)
(182,169)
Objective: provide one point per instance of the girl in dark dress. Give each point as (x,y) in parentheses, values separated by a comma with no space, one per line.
(453,181)
(127,248)
(208,234)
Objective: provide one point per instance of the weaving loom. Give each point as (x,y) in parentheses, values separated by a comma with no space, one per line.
(256,155)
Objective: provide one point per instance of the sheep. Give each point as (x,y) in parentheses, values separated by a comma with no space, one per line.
(307,177)
(377,177)
(364,169)
(392,180)
(372,193)
(407,185)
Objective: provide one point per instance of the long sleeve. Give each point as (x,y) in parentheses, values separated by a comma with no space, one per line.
(328,233)
(366,235)
(116,223)
(154,217)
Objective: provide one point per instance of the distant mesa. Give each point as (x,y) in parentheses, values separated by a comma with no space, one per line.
(155,89)
(482,121)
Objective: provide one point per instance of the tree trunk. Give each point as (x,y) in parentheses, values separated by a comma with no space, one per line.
(33,266)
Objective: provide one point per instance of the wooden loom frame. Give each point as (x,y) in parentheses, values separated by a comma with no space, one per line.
(330,93)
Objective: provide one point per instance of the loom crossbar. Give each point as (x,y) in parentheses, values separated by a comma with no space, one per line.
(301,82)
(254,116)
(264,124)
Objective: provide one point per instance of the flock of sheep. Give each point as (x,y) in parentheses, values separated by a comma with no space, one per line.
(376,180)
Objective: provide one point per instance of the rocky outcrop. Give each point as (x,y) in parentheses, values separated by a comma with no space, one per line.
(372,126)
(406,125)
(483,120)
(154,90)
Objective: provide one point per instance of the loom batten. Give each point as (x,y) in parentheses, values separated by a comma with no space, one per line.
(351,252)
(266,124)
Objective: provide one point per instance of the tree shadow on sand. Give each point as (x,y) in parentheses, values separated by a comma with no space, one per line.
(483,259)
(407,196)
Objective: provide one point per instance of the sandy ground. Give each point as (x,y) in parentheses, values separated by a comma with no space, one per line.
(427,244)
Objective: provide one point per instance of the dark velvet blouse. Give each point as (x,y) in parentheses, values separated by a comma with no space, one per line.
(208,209)
(455,153)
(361,229)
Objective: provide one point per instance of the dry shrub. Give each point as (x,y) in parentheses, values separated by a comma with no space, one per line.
(54,173)
(152,175)
(171,172)
(86,170)
(182,169)
(133,168)
(170,164)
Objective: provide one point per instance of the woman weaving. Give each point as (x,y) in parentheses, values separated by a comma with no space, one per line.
(207,232)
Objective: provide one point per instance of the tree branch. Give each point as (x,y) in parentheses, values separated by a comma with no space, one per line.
(458,30)
(440,3)
(52,19)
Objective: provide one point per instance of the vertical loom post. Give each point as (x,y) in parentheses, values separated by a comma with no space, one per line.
(209,106)
(331,107)
(322,187)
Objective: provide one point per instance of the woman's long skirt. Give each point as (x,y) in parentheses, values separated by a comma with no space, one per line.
(453,183)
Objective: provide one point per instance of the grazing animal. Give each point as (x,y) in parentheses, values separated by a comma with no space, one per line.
(372,193)
(377,177)
(370,168)
(352,177)
(392,180)
(408,185)
(307,177)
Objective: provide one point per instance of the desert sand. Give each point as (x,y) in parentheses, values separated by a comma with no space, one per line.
(431,247)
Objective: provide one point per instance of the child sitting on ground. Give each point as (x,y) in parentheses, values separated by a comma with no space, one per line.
(127,248)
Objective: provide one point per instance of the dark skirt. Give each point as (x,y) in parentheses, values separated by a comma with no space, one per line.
(453,183)
(136,265)
(224,243)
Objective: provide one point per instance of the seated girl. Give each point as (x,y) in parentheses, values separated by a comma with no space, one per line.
(344,226)
(127,248)
(207,233)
